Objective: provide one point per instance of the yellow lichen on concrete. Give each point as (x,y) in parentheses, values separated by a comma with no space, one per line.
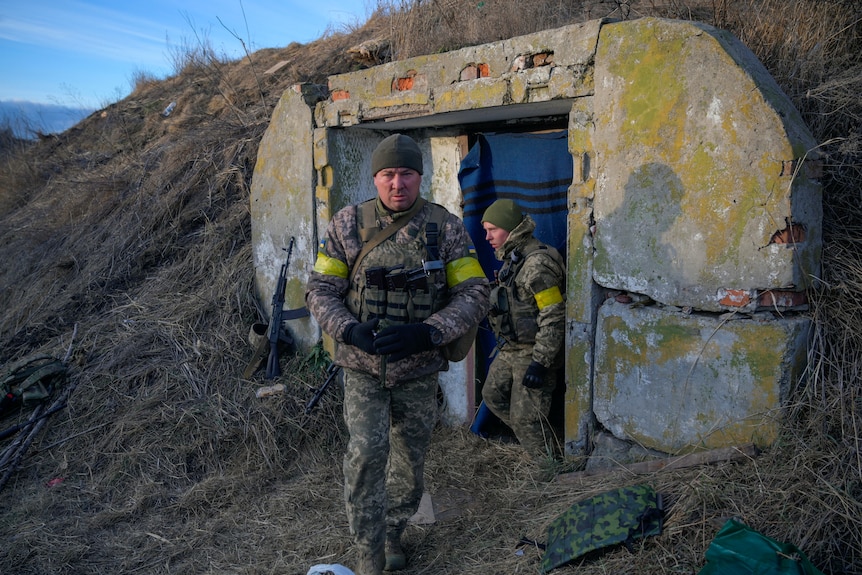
(578,408)
(579,269)
(480,93)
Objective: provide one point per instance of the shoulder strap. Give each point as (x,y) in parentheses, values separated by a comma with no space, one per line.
(367,214)
(432,231)
(517,260)
(375,239)
(551,252)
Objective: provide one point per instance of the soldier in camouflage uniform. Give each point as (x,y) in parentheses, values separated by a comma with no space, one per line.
(528,317)
(390,313)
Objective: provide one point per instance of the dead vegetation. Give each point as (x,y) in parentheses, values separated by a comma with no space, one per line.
(131,231)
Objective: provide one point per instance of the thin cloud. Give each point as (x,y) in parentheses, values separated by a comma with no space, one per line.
(97,44)
(88,29)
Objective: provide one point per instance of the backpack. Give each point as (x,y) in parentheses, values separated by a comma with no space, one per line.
(29,380)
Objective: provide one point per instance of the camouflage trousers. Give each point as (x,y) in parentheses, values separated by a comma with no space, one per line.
(390,431)
(523,409)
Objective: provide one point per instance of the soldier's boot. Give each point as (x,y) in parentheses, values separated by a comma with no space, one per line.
(370,563)
(396,560)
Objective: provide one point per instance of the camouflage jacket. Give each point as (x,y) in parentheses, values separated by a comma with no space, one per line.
(467,288)
(535,314)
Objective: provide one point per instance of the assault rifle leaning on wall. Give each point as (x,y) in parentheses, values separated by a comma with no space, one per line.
(269,347)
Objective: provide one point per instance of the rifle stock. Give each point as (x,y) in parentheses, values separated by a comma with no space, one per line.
(261,352)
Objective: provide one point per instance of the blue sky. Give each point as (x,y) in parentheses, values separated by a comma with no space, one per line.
(84,53)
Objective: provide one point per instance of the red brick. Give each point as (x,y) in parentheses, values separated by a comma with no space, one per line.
(402,84)
(782,299)
(792,234)
(340,95)
(542,59)
(735,298)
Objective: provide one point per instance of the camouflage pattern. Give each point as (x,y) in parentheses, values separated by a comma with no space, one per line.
(523,409)
(390,417)
(369,562)
(467,299)
(390,431)
(542,269)
(618,516)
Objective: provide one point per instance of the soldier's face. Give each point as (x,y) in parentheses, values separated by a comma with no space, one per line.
(495,236)
(398,188)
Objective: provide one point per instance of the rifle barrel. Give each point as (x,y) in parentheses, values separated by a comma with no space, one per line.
(332,370)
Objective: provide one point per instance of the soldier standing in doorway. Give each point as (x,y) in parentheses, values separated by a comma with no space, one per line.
(396,279)
(528,315)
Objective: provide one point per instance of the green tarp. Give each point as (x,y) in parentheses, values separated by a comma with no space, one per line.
(739,550)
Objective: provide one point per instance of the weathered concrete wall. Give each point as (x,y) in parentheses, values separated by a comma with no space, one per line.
(694,193)
(470,84)
(282,207)
(672,381)
(695,139)
(701,202)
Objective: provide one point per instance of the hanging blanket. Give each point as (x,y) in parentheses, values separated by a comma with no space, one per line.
(533,170)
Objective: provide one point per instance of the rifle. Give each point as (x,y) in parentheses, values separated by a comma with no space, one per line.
(273,369)
(331,372)
(279,315)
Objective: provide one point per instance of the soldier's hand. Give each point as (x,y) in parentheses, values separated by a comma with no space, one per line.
(535,376)
(399,341)
(361,335)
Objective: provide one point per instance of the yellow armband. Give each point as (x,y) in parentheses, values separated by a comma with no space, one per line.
(463,269)
(548,297)
(330,266)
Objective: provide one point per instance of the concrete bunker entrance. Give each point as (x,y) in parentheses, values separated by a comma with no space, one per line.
(533,181)
(667,122)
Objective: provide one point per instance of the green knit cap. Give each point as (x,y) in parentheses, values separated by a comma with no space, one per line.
(504,214)
(396,151)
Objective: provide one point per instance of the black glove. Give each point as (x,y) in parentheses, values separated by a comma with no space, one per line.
(399,341)
(535,376)
(361,335)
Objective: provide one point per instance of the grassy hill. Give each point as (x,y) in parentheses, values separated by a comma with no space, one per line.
(125,250)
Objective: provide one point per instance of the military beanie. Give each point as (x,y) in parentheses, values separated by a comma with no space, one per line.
(396,151)
(504,214)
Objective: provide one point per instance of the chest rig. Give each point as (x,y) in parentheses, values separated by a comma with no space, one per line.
(398,282)
(514,315)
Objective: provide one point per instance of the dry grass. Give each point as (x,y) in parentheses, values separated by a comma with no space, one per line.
(134,229)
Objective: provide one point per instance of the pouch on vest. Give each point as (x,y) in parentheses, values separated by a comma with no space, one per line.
(611,518)
(399,291)
(739,549)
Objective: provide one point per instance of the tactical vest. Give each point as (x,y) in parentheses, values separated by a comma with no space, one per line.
(398,283)
(514,319)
